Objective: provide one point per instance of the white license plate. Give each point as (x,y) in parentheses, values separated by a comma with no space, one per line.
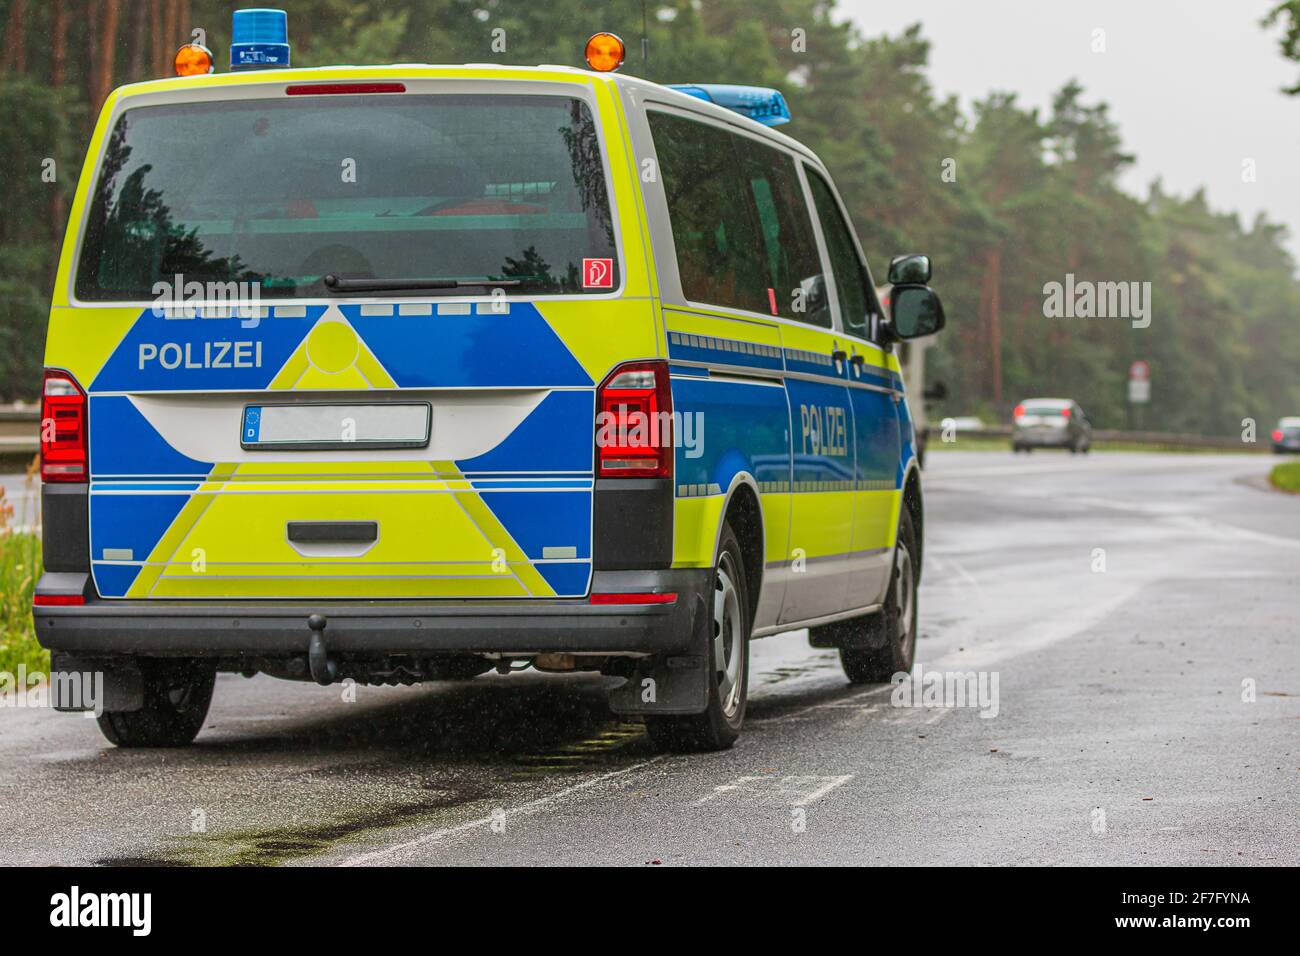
(319,427)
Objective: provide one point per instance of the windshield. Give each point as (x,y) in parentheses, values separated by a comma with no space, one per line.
(281,193)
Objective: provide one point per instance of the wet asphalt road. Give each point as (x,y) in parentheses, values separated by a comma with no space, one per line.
(1120,737)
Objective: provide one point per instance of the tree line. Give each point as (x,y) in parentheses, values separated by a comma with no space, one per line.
(1007,198)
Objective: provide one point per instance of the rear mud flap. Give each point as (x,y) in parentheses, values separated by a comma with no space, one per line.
(83,684)
(676,684)
(855,634)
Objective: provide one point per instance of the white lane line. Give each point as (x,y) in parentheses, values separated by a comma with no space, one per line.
(531,806)
(791,790)
(1191,522)
(845,703)
(821,791)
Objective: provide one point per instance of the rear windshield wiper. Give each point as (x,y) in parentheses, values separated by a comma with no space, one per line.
(337,284)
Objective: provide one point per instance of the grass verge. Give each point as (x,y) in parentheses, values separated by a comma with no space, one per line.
(20,566)
(1286,477)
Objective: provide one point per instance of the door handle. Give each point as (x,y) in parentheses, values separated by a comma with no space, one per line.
(839,355)
(858,359)
(320,532)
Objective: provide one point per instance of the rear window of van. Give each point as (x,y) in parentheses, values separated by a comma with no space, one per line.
(400,186)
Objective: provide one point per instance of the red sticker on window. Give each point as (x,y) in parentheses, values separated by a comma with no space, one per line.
(598,273)
(771,300)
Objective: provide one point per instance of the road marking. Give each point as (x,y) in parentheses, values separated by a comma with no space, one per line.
(797,790)
(834,704)
(531,806)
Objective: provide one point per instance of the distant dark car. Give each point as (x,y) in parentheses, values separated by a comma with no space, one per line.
(1050,423)
(1286,437)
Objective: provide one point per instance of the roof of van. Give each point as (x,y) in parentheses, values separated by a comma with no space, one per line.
(553,73)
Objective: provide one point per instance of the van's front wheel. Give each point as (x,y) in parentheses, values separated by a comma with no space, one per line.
(728,664)
(177,695)
(898,618)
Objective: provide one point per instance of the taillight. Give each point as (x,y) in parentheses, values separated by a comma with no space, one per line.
(1277,435)
(58,600)
(63,428)
(1019,412)
(634,422)
(1065,413)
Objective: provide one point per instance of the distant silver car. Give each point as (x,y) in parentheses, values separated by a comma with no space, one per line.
(1286,436)
(1050,423)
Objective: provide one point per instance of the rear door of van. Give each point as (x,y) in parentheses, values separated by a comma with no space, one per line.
(342,341)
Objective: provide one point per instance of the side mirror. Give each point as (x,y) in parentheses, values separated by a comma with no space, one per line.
(915,312)
(909,270)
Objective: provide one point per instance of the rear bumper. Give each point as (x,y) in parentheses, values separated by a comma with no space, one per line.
(1061,439)
(235,629)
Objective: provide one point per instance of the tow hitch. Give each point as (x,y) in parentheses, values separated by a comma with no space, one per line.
(324,669)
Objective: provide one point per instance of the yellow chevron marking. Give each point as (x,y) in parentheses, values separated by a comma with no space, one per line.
(332,356)
(168,544)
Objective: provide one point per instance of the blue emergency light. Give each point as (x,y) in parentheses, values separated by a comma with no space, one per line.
(259,39)
(759,103)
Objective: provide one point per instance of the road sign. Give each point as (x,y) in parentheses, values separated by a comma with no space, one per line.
(1139,383)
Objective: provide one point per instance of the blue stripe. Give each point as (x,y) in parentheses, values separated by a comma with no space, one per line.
(110,487)
(541,483)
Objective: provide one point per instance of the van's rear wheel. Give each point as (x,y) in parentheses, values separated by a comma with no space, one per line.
(728,664)
(898,618)
(177,695)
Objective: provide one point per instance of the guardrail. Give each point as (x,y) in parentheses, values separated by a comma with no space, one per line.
(1105,436)
(19,436)
(19,433)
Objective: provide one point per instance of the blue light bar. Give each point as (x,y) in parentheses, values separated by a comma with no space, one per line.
(259,39)
(766,106)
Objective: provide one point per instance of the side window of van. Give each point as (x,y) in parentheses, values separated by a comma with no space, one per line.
(796,288)
(713,227)
(741,228)
(857,302)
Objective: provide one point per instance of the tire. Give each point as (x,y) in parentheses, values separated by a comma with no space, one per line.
(177,695)
(719,726)
(898,618)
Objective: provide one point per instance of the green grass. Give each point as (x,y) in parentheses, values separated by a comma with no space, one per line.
(1286,477)
(20,566)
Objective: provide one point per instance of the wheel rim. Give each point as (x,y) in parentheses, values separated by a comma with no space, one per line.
(728,637)
(904,598)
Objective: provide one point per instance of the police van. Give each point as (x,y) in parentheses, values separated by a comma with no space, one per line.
(406,373)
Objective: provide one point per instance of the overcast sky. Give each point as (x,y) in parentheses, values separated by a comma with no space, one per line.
(1193,84)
